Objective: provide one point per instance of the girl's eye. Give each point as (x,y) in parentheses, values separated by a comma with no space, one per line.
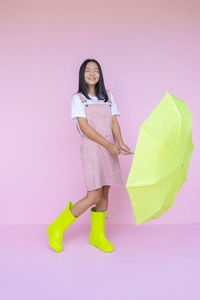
(89,70)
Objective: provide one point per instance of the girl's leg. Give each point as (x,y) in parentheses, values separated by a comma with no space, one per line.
(92,197)
(102,205)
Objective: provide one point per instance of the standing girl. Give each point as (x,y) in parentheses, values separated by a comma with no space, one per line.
(94,110)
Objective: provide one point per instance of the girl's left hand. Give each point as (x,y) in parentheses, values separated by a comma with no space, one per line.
(124,149)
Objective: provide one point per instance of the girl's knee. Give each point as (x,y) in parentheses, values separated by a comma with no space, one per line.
(94,196)
(105,190)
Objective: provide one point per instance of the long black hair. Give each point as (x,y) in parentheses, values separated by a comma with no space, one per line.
(99,87)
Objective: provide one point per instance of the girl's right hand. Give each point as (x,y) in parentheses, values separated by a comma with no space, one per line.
(114,149)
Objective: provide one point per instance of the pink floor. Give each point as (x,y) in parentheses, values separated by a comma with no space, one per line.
(148,262)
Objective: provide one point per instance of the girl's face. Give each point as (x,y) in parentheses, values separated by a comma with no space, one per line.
(91,74)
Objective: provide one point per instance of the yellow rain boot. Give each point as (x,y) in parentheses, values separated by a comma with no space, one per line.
(57,228)
(97,235)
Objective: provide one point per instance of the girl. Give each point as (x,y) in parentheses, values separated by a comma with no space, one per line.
(94,110)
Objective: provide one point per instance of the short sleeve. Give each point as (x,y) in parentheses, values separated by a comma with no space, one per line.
(77,108)
(115,110)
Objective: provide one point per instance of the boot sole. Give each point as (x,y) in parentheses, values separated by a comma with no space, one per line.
(99,246)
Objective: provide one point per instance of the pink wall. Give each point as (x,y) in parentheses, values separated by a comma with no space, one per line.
(145,48)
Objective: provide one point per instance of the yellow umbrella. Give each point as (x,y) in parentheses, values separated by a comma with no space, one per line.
(161,159)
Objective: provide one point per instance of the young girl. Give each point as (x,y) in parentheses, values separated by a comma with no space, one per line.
(94,110)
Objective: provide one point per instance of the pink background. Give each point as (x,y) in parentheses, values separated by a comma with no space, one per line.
(145,48)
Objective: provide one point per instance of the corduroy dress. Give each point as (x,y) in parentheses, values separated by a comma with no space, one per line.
(100,167)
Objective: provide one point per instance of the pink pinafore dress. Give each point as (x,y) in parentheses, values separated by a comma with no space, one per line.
(100,167)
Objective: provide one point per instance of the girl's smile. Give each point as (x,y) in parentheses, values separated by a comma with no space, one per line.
(91,76)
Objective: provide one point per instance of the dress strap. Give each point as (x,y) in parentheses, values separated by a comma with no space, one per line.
(82,97)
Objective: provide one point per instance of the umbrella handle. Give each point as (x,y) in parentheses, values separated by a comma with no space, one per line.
(130,153)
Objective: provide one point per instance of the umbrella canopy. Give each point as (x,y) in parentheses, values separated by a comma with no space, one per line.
(161,159)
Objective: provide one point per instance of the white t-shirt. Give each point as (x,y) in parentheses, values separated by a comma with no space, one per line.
(78,107)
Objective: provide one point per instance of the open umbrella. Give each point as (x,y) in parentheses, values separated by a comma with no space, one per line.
(161,159)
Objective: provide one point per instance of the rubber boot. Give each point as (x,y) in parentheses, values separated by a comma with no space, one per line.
(57,228)
(97,235)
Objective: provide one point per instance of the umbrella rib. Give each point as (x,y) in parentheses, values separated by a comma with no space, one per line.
(153,135)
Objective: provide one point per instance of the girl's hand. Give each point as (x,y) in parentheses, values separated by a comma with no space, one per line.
(124,149)
(114,149)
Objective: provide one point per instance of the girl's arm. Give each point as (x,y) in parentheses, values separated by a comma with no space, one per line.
(117,134)
(116,130)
